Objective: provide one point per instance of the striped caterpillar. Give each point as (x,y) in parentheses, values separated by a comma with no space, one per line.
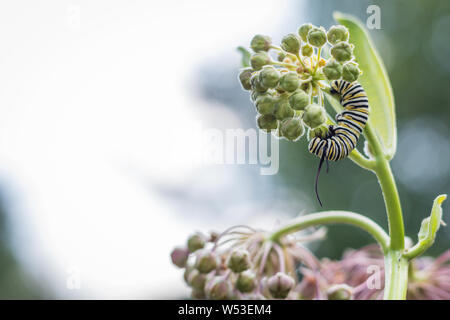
(341,139)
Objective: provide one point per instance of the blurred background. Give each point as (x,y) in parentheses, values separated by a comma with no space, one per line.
(98,178)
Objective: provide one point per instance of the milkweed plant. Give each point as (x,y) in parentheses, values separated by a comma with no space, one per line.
(288,85)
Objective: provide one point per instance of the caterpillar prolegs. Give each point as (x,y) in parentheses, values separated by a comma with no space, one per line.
(341,139)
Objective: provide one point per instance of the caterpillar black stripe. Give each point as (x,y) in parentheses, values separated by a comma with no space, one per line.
(341,139)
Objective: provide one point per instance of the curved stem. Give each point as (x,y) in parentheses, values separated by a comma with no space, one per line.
(390,194)
(328,217)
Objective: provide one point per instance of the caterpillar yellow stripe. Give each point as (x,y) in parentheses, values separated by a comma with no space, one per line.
(341,139)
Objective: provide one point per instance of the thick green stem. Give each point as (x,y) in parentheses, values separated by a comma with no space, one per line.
(331,217)
(396,273)
(390,194)
(396,266)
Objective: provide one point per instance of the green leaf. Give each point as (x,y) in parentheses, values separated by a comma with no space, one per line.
(431,224)
(428,228)
(245,56)
(375,81)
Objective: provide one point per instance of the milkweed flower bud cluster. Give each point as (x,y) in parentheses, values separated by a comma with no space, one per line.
(243,263)
(286,81)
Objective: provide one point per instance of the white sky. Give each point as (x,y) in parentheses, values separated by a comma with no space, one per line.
(86,89)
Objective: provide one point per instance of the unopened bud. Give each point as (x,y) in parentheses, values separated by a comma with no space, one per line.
(291,43)
(255,94)
(299,100)
(196,279)
(337,34)
(246,281)
(256,84)
(350,72)
(269,77)
(320,131)
(195,242)
(303,31)
(260,43)
(244,78)
(289,81)
(265,103)
(314,115)
(307,50)
(340,292)
(239,260)
(292,129)
(280,285)
(206,261)
(218,288)
(267,122)
(332,70)
(317,37)
(198,294)
(179,256)
(282,109)
(187,272)
(259,60)
(281,56)
(342,51)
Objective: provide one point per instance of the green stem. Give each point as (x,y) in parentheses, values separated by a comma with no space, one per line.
(330,217)
(396,266)
(390,194)
(396,273)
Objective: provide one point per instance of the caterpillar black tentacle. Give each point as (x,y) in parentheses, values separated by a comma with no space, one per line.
(341,139)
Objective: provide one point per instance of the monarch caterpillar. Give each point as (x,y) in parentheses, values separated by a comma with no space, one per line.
(341,139)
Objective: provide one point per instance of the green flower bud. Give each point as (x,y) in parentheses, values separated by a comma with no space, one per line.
(289,81)
(260,43)
(206,261)
(303,31)
(340,292)
(290,43)
(179,256)
(350,72)
(255,94)
(259,60)
(282,109)
(198,294)
(246,281)
(265,104)
(239,260)
(244,78)
(292,129)
(299,100)
(307,50)
(314,115)
(267,122)
(332,70)
(337,34)
(342,51)
(218,288)
(256,84)
(187,272)
(196,279)
(280,285)
(281,56)
(195,242)
(317,37)
(269,77)
(320,131)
